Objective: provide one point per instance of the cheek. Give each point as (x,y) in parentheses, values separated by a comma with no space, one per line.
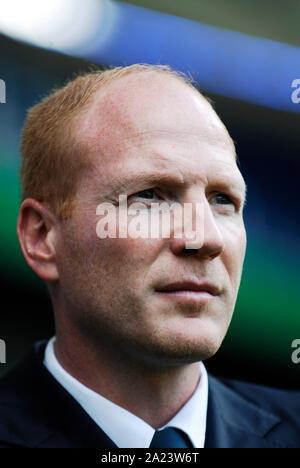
(125,242)
(233,256)
(121,269)
(115,257)
(128,254)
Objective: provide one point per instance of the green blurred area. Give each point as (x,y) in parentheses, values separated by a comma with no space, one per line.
(267,317)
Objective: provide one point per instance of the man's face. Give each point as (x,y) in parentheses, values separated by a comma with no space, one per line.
(154,139)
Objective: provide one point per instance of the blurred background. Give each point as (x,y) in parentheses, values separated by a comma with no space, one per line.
(245,56)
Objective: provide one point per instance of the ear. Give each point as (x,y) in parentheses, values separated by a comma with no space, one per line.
(36,229)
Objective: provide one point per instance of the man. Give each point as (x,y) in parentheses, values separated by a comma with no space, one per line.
(135,316)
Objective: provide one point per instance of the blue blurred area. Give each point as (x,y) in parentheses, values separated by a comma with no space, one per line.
(223,62)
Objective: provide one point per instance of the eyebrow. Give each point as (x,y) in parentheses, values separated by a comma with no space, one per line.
(235,184)
(146,177)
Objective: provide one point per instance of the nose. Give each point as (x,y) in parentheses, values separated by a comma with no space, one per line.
(208,241)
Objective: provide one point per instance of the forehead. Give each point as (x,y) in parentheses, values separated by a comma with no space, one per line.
(152,122)
(144,103)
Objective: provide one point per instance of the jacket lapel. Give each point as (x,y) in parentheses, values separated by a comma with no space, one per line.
(44,414)
(235,422)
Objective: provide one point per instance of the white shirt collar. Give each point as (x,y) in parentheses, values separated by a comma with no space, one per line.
(125,429)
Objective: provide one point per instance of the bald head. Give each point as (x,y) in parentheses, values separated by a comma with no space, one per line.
(143,102)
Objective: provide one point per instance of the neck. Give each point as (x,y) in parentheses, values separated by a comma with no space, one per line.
(152,393)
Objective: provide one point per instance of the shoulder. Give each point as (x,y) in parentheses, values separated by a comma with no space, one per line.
(272,413)
(276,400)
(24,401)
(36,411)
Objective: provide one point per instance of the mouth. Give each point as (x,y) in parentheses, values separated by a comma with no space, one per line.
(189,290)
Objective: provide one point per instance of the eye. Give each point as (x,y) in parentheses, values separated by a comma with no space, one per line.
(223,199)
(225,203)
(148,194)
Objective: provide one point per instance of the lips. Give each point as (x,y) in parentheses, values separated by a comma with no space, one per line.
(207,287)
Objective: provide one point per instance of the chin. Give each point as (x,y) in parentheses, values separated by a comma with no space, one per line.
(191,351)
(201,338)
(181,348)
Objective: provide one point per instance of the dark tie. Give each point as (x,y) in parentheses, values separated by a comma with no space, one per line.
(170,438)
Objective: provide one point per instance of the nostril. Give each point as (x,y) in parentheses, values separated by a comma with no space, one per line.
(189,251)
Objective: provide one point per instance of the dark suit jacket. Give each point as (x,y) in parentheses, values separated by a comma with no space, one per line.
(36,411)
